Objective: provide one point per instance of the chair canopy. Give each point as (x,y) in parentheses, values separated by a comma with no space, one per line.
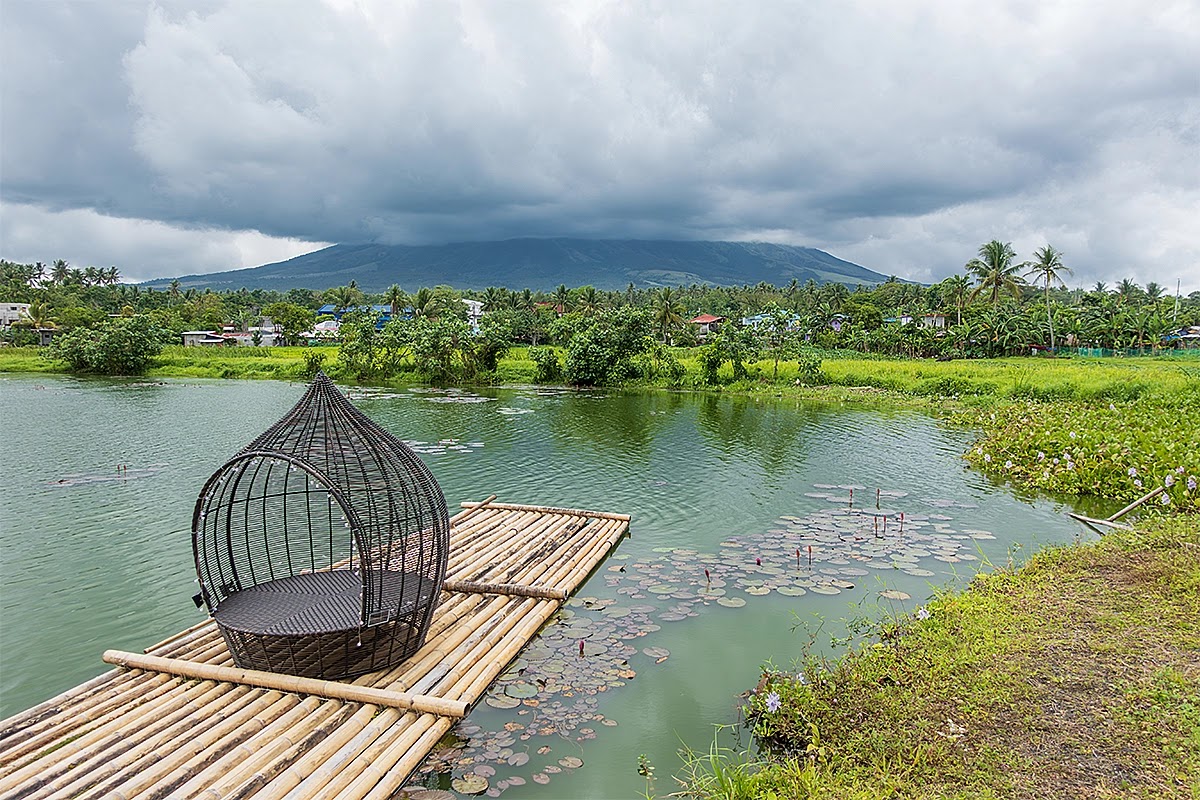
(321,547)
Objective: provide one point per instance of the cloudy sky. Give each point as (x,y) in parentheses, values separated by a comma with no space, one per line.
(180,137)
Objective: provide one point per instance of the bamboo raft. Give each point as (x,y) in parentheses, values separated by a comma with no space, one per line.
(181,721)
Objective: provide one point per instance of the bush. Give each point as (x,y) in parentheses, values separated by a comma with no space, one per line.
(121,346)
(549,368)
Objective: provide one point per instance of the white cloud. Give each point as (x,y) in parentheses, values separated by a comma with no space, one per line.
(901,135)
(141,249)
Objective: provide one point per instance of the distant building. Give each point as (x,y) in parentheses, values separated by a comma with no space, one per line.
(933,321)
(474,313)
(203,339)
(13,312)
(706,324)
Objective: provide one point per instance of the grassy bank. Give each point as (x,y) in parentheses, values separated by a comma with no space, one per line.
(1076,676)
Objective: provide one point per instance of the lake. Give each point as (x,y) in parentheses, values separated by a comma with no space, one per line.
(101,475)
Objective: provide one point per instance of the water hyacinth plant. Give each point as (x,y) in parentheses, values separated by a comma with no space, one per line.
(1115,451)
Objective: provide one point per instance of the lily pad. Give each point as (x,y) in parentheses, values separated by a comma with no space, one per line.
(791,591)
(502,701)
(656,652)
(571,762)
(758,591)
(731,602)
(470,784)
(540,777)
(895,594)
(825,590)
(521,690)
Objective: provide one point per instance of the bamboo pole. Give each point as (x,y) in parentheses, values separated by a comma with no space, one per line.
(109,765)
(10,726)
(75,750)
(182,634)
(299,769)
(266,747)
(213,744)
(1149,496)
(287,683)
(389,771)
(462,516)
(511,589)
(91,706)
(576,512)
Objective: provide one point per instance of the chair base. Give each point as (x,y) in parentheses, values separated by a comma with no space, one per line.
(310,624)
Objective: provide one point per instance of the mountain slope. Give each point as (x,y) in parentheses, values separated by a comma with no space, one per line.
(543,264)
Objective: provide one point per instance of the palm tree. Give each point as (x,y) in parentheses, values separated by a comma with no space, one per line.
(667,313)
(1046,268)
(396,298)
(562,296)
(493,297)
(955,289)
(344,297)
(173,292)
(60,272)
(422,302)
(588,301)
(112,276)
(995,271)
(1126,291)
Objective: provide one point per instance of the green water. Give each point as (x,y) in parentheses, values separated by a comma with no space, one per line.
(94,558)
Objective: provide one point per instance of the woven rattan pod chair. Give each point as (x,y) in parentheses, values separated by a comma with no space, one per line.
(321,547)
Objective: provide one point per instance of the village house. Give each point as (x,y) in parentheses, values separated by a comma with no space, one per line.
(11,313)
(706,324)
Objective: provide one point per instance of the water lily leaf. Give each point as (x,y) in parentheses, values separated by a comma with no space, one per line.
(826,590)
(791,591)
(521,690)
(571,762)
(895,594)
(501,701)
(731,602)
(656,652)
(758,590)
(540,777)
(518,760)
(470,784)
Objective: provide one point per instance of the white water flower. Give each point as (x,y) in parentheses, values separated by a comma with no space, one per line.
(1138,483)
(1133,472)
(987,458)
(1191,483)
(1179,470)
(1169,481)
(1041,456)
(923,613)
(1166,500)
(1008,464)
(1072,434)
(1070,465)
(1046,474)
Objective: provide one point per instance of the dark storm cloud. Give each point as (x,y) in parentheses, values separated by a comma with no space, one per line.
(901,135)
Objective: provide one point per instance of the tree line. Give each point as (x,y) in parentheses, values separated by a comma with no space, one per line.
(996,306)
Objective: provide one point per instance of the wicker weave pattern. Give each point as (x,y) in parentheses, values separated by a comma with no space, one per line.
(321,547)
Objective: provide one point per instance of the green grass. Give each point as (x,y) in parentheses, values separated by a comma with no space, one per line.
(1075,676)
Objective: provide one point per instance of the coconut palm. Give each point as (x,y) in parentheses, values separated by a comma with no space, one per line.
(1127,291)
(60,272)
(562,296)
(996,272)
(955,289)
(493,298)
(668,314)
(396,298)
(1046,268)
(344,297)
(422,302)
(588,301)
